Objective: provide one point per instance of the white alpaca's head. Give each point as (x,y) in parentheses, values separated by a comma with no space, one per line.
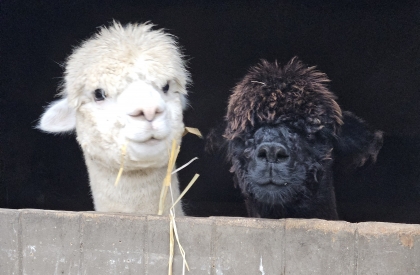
(125,85)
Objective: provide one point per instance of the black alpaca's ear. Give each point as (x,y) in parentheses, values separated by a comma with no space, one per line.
(356,145)
(215,142)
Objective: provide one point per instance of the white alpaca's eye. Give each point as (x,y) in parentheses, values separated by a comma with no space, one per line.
(99,95)
(165,88)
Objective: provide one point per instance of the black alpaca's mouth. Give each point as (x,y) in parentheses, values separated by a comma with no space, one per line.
(271,186)
(272,183)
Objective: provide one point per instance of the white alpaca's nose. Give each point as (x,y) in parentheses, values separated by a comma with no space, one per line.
(148,112)
(142,101)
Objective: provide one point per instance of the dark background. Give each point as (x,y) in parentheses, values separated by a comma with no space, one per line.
(369,49)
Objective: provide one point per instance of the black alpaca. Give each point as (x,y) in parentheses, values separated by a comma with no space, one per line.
(285,132)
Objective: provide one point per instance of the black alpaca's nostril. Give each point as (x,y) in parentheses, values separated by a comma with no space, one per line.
(272,152)
(281,153)
(262,153)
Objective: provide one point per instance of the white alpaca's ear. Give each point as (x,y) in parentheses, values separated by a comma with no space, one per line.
(59,117)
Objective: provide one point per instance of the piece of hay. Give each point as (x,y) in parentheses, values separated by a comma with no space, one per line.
(167,184)
(172,225)
(185,165)
(173,230)
(123,152)
(171,164)
(167,181)
(193,131)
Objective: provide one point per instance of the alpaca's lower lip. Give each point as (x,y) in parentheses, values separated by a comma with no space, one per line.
(271,187)
(270,183)
(150,141)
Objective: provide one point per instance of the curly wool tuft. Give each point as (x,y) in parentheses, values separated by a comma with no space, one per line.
(270,94)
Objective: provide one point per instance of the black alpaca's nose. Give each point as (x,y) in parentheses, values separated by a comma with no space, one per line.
(272,152)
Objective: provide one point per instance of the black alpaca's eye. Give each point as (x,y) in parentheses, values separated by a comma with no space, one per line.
(165,88)
(99,95)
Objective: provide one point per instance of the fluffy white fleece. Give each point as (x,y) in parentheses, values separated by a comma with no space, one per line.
(125,84)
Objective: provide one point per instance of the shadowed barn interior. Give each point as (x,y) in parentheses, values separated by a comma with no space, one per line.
(369,49)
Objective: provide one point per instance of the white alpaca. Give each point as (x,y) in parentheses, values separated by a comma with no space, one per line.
(125,85)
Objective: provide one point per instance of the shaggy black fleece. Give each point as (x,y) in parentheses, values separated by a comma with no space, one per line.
(285,132)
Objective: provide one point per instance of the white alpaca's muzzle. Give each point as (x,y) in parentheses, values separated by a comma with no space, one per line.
(145,113)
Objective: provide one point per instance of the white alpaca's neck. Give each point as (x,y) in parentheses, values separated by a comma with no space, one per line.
(137,191)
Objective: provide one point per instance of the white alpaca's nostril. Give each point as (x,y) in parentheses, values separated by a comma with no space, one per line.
(137,113)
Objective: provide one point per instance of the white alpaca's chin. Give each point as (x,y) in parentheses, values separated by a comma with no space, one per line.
(149,153)
(151,142)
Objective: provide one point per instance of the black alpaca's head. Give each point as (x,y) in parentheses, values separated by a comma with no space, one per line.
(283,124)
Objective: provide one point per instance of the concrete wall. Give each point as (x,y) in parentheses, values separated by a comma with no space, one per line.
(53,242)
